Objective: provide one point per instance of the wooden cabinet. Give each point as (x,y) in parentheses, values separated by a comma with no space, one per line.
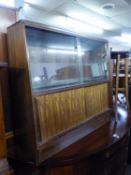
(60,89)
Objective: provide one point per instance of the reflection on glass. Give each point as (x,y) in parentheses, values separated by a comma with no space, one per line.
(58,60)
(93,60)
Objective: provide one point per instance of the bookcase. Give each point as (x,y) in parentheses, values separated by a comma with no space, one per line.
(60,88)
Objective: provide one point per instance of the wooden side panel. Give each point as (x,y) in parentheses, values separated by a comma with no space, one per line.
(17,51)
(60,111)
(96,98)
(21,94)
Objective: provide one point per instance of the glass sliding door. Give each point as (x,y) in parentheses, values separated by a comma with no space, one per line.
(58,60)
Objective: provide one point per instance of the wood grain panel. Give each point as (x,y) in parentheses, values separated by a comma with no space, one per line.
(60,111)
(96,99)
(21,91)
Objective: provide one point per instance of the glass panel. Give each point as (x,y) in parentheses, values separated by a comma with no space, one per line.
(93,60)
(53,59)
(59,60)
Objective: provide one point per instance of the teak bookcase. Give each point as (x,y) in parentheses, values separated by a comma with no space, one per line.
(53,110)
